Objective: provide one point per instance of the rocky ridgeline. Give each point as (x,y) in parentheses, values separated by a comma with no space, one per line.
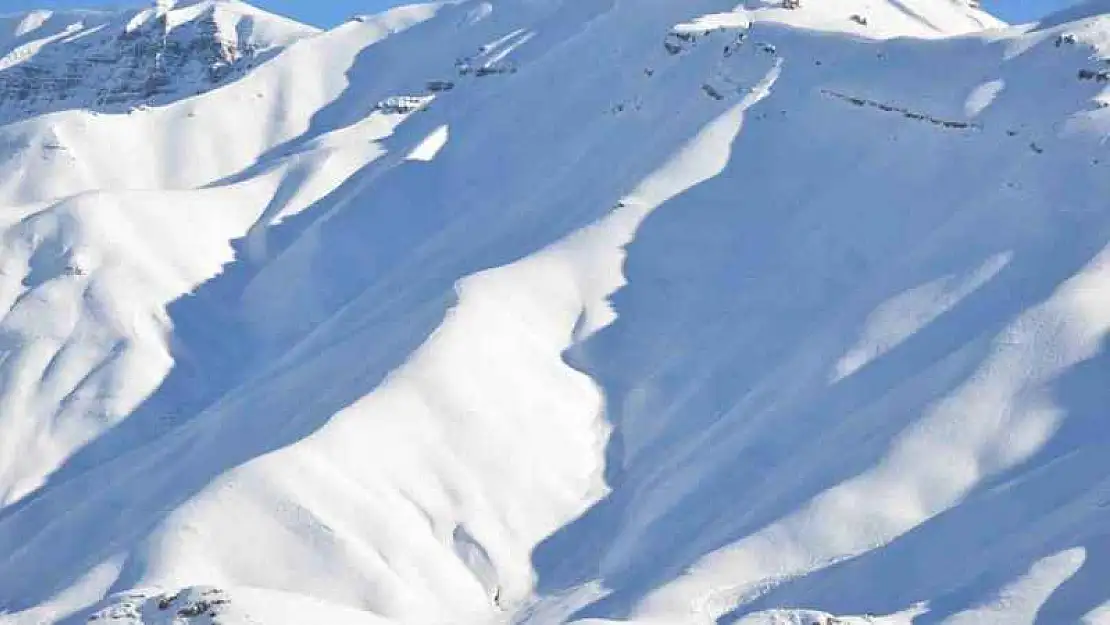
(189,606)
(114,68)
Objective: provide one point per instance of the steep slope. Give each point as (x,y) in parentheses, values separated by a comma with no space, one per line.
(545,311)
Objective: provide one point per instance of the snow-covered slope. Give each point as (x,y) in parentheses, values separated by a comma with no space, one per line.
(542,311)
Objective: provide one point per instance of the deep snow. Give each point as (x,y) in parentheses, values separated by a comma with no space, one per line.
(539,311)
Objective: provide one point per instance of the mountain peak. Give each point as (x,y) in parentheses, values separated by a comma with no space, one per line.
(887,18)
(112,62)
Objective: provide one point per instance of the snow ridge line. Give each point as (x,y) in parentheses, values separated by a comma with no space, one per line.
(907,113)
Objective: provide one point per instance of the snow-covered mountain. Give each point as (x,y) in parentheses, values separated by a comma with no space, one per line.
(546,311)
(99,61)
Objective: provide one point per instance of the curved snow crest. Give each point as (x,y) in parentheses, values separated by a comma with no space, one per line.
(906,314)
(879,20)
(625,320)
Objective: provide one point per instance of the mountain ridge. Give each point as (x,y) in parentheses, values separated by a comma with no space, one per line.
(129,59)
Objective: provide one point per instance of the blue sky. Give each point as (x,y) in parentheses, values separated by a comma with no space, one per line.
(330,12)
(1023,10)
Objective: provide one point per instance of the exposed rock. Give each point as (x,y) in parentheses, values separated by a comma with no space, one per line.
(907,113)
(115,66)
(712,92)
(185,606)
(404,104)
(440,85)
(677,41)
(466,68)
(493,69)
(1096,75)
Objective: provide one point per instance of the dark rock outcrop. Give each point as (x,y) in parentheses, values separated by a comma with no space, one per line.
(121,65)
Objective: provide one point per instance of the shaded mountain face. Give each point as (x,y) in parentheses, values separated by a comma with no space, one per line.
(553,311)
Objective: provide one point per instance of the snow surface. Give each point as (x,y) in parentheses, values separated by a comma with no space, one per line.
(545,311)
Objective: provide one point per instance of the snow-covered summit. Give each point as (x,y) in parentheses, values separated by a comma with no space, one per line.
(116,61)
(880,18)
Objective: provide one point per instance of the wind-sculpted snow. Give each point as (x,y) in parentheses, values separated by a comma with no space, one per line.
(544,311)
